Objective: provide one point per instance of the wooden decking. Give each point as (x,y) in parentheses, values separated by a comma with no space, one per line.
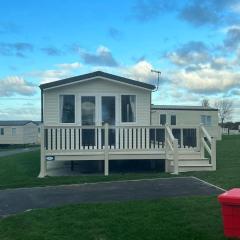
(183,153)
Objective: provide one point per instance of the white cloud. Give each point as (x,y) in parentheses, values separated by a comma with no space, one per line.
(13,85)
(102,57)
(69,66)
(141,71)
(207,79)
(19,113)
(64,70)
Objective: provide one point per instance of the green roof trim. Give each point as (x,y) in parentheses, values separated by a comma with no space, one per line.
(97,74)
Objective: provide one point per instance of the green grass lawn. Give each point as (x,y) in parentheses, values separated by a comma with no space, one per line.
(175,218)
(196,218)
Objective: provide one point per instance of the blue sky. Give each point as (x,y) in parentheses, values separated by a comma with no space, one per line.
(195,44)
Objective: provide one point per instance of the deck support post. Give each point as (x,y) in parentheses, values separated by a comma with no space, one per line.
(213,153)
(43,164)
(106,150)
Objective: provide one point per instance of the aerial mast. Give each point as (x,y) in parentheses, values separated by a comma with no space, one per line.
(158,74)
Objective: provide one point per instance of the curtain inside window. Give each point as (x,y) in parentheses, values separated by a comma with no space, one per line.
(128,108)
(67,107)
(88,110)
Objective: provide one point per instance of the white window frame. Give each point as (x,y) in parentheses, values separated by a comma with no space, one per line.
(120,115)
(14,133)
(96,107)
(204,119)
(116,107)
(59,110)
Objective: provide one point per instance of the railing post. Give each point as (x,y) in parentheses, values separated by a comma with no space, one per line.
(213,153)
(201,136)
(43,164)
(166,143)
(106,150)
(175,156)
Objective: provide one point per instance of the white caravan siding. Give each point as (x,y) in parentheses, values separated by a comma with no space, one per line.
(188,118)
(24,134)
(97,87)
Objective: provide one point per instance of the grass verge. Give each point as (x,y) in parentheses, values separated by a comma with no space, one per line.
(173,219)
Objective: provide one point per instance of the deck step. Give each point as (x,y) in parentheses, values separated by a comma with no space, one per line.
(207,167)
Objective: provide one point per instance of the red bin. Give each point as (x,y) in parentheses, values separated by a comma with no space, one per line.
(230,202)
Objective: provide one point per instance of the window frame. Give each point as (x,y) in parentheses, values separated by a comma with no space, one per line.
(173,115)
(2,132)
(75,108)
(96,106)
(162,114)
(204,119)
(120,103)
(14,134)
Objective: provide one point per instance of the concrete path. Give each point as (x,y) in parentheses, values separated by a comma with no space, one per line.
(16,151)
(14,201)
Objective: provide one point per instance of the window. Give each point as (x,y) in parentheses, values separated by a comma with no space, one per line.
(163,119)
(108,110)
(206,120)
(189,137)
(14,131)
(1,131)
(128,103)
(173,120)
(67,108)
(88,110)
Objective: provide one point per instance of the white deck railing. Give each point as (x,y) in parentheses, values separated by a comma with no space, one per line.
(168,140)
(93,138)
(208,144)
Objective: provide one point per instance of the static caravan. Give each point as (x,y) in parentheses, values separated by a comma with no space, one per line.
(18,132)
(187,116)
(104,117)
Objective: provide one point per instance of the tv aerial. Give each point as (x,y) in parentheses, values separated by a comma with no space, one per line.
(158,79)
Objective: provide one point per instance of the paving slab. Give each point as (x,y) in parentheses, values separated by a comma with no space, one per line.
(13,201)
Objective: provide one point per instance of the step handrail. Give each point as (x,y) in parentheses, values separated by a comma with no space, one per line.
(172,143)
(211,147)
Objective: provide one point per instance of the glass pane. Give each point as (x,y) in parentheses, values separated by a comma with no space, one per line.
(189,137)
(162,119)
(177,134)
(160,135)
(209,120)
(108,110)
(173,120)
(88,110)
(111,137)
(203,119)
(128,108)
(14,130)
(88,137)
(67,105)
